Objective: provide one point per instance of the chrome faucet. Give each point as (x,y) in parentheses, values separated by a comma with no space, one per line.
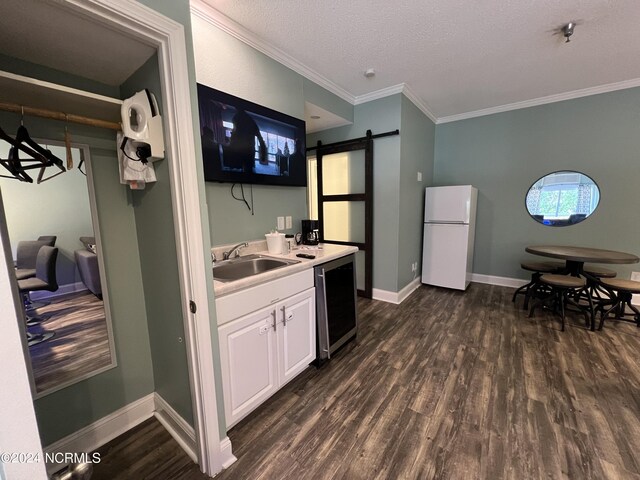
(236,249)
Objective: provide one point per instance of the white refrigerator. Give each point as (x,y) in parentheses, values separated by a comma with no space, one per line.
(449,230)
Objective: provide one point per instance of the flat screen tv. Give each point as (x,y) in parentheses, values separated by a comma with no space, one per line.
(247,143)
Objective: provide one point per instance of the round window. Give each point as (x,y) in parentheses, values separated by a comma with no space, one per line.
(562,198)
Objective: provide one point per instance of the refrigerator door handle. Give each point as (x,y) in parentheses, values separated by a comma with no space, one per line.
(446,222)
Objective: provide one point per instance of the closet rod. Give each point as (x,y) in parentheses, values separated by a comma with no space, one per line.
(64,117)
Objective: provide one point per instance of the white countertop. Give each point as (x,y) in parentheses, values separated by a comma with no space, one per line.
(324,252)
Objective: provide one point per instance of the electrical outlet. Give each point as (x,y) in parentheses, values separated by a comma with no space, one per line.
(280,222)
(288,222)
(419,176)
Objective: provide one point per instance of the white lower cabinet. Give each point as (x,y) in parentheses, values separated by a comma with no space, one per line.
(263,350)
(248,355)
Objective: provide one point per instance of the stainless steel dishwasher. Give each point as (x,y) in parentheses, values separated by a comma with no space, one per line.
(336,313)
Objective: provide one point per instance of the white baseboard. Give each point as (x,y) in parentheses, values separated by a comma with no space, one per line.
(93,436)
(396,297)
(180,430)
(226,455)
(62,290)
(495,280)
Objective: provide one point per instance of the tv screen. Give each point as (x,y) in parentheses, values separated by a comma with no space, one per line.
(246,143)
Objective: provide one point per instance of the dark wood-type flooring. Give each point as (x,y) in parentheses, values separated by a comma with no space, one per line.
(145,452)
(80,345)
(452,385)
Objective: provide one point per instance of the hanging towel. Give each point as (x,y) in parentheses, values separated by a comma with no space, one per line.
(133,173)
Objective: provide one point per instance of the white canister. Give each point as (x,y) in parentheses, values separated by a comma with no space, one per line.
(274,242)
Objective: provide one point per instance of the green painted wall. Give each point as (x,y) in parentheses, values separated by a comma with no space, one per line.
(416,155)
(234,67)
(503,154)
(158,259)
(379,116)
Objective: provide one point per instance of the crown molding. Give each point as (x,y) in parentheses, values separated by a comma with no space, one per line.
(376,95)
(418,102)
(209,14)
(584,92)
(393,90)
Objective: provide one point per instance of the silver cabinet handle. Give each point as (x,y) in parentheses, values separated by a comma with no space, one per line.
(284,316)
(274,320)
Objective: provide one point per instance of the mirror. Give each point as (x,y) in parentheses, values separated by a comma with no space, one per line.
(67,320)
(562,198)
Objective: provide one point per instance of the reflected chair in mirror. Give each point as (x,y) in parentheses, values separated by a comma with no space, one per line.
(87,263)
(26,255)
(538,268)
(563,288)
(622,292)
(49,240)
(45,279)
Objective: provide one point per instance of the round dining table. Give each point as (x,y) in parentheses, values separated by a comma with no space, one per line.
(577,256)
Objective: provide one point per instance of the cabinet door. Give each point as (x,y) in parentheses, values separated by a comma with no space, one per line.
(248,358)
(296,334)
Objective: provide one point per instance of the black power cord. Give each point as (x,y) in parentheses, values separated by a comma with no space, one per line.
(243,198)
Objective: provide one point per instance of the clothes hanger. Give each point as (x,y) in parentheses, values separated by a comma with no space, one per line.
(14,164)
(23,137)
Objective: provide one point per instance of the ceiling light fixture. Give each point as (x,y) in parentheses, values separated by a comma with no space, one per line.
(315,117)
(567,30)
(369,73)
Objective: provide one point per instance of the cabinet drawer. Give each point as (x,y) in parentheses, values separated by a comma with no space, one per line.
(251,299)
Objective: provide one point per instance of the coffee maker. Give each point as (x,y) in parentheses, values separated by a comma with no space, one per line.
(310,232)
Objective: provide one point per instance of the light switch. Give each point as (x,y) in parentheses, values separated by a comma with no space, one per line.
(280,223)
(419,176)
(288,222)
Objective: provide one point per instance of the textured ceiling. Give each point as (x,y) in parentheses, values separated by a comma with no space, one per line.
(455,56)
(42,32)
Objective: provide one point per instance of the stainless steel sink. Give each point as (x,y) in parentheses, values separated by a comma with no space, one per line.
(247,266)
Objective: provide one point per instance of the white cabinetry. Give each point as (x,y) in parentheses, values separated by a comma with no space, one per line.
(262,350)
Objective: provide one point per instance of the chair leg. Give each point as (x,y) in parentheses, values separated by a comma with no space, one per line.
(606,314)
(524,289)
(520,290)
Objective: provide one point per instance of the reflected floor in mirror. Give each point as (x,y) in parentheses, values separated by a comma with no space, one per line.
(80,345)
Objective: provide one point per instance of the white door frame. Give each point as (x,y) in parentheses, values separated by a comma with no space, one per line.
(136,20)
